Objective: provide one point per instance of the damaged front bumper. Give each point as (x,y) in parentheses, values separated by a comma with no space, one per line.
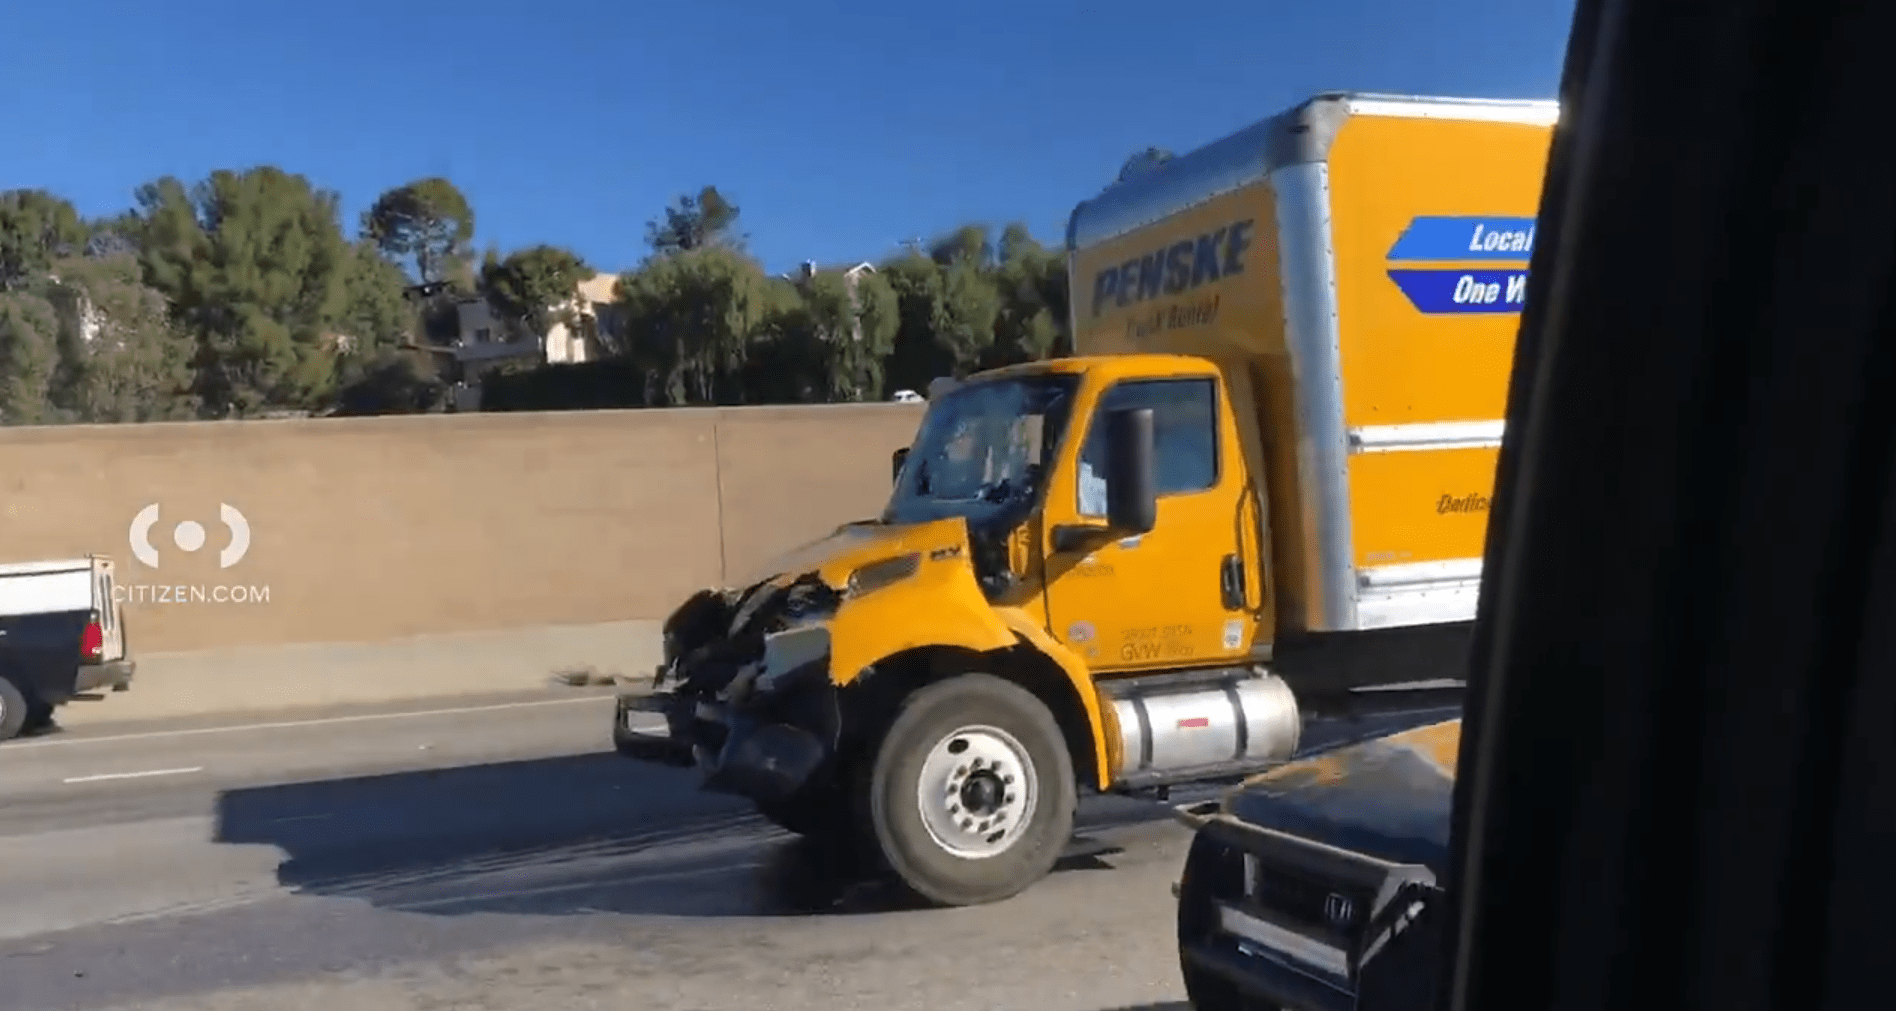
(762,729)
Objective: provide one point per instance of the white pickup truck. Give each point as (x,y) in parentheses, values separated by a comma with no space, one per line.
(62,634)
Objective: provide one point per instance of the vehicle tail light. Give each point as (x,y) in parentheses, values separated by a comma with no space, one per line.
(92,640)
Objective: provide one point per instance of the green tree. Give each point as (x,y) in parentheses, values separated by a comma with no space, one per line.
(878,317)
(375,371)
(257,272)
(947,312)
(427,223)
(1031,284)
(375,312)
(83,339)
(114,235)
(393,382)
(534,288)
(36,228)
(916,357)
(965,317)
(29,356)
(690,319)
(825,341)
(702,221)
(120,359)
(975,302)
(1016,241)
(968,245)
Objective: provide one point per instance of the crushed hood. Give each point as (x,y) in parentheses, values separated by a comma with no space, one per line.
(854,545)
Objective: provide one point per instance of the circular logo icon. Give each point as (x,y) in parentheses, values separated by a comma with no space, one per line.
(1080,631)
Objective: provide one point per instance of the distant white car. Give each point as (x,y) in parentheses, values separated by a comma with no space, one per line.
(907,397)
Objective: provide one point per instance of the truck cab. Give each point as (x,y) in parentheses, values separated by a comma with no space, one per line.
(1255,497)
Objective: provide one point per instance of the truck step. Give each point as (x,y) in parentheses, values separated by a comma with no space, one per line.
(1215,774)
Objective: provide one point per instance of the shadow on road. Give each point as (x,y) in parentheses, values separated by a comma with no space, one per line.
(590,833)
(581,834)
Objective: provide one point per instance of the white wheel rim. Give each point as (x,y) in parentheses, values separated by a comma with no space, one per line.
(977,792)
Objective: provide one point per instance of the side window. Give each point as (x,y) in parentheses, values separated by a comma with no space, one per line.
(1185,437)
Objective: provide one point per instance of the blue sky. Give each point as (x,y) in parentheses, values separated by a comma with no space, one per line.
(839,127)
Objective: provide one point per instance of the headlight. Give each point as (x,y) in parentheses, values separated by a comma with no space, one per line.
(876,575)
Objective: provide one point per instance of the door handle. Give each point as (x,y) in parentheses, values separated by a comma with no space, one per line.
(1231,582)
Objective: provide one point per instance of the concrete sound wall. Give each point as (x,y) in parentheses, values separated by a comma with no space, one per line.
(377,528)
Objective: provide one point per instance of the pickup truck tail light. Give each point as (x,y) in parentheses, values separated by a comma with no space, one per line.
(92,640)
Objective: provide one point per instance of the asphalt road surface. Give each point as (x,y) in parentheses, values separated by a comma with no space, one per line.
(499,856)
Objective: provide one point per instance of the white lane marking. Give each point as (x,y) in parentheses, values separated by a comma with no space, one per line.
(148,773)
(286,724)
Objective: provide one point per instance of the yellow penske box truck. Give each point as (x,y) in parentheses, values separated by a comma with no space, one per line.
(1258,494)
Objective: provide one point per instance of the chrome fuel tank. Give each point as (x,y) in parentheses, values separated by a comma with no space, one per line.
(1206,720)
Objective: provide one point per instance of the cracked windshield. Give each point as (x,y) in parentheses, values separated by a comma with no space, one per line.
(983,447)
(403,405)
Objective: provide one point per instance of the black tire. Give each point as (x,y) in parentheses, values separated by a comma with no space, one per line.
(893,811)
(13,710)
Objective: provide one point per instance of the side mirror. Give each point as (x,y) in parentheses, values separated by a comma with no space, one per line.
(1132,486)
(896,461)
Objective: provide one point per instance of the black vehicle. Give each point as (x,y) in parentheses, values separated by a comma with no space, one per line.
(1312,887)
(62,635)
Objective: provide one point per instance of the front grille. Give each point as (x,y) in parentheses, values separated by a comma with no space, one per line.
(1306,901)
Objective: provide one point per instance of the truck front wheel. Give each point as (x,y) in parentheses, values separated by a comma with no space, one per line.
(972,792)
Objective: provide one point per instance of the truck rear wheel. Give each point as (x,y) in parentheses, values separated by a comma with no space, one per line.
(12,709)
(972,792)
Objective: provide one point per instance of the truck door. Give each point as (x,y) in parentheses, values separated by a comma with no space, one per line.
(1164,599)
